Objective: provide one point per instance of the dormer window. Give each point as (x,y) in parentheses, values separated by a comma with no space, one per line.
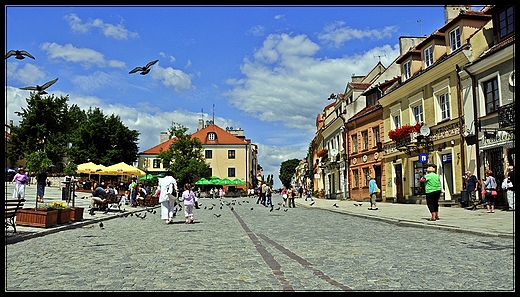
(455,42)
(212,136)
(428,57)
(407,70)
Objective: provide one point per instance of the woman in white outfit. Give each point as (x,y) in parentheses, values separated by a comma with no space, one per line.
(168,196)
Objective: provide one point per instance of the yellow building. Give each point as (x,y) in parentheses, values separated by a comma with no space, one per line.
(227,151)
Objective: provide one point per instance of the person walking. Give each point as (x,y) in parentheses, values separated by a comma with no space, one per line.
(472,185)
(268,196)
(168,196)
(490,188)
(308,194)
(291,194)
(189,201)
(432,188)
(41,183)
(510,187)
(133,192)
(20,180)
(373,190)
(284,196)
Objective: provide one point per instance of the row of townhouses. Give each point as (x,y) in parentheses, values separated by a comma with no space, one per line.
(446,101)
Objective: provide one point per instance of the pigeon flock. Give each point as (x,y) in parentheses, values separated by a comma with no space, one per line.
(21,54)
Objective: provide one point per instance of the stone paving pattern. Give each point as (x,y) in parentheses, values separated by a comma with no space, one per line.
(310,248)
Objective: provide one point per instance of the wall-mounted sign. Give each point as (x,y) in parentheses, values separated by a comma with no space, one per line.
(423,158)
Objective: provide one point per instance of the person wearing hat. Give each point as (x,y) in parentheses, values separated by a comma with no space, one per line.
(20,180)
(472,186)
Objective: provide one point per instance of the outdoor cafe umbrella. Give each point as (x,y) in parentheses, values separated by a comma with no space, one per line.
(225,181)
(214,180)
(238,181)
(123,168)
(203,181)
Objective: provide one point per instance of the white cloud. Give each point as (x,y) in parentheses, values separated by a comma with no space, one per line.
(29,74)
(171,77)
(257,30)
(117,31)
(84,56)
(286,82)
(337,33)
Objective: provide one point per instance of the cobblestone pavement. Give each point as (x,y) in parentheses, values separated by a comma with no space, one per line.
(242,246)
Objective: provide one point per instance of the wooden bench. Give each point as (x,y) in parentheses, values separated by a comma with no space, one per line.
(11,209)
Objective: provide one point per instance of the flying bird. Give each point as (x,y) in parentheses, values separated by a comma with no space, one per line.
(335,205)
(278,208)
(217,215)
(20,55)
(312,203)
(144,70)
(41,89)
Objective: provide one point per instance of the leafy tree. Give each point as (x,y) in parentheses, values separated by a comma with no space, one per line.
(102,140)
(38,161)
(185,156)
(44,126)
(287,170)
(48,124)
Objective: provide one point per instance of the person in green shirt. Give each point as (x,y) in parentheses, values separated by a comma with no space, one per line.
(432,188)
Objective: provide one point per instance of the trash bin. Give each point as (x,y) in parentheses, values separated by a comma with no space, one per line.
(64,194)
(464,198)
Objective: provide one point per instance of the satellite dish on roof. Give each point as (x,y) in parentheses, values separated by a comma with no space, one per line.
(334,152)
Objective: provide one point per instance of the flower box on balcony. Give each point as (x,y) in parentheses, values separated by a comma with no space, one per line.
(404,132)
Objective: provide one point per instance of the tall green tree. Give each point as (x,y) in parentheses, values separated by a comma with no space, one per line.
(185,156)
(102,139)
(44,126)
(67,134)
(287,171)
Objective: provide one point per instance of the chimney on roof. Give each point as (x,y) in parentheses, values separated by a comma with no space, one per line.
(163,137)
(451,11)
(201,124)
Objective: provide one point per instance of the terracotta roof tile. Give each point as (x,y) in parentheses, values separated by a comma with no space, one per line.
(223,137)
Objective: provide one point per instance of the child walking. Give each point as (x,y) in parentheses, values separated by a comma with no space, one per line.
(189,201)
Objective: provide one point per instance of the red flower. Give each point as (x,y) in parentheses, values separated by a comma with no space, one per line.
(404,131)
(322,153)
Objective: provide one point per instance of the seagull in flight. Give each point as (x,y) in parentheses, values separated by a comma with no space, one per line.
(41,89)
(20,55)
(144,70)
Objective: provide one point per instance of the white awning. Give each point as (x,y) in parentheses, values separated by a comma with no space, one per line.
(505,144)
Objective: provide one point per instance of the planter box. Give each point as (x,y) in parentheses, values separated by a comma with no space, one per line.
(37,217)
(76,214)
(64,215)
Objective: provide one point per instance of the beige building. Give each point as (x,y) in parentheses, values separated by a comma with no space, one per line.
(227,151)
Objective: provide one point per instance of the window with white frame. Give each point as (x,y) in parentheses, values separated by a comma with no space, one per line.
(418,114)
(355,179)
(444,106)
(491,95)
(441,95)
(354,143)
(366,176)
(407,70)
(364,136)
(428,56)
(376,136)
(455,42)
(396,120)
(212,136)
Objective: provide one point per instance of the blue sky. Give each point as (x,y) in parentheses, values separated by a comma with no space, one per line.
(266,69)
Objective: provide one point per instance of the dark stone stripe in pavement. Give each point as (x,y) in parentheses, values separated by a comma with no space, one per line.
(268,258)
(306,264)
